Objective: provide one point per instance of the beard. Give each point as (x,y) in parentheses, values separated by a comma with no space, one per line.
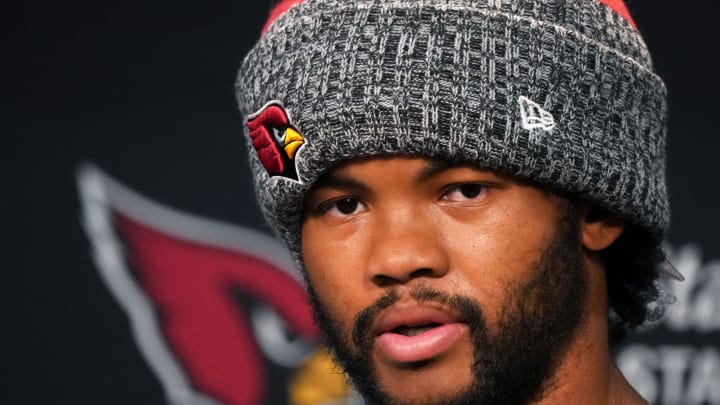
(513,366)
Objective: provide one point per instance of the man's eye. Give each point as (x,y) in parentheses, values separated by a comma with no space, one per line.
(464,192)
(343,206)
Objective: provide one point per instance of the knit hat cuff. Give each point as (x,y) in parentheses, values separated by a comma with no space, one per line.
(564,96)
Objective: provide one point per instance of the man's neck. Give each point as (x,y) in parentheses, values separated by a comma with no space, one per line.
(587,374)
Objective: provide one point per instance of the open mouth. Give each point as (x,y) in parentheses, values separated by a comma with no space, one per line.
(414,330)
(416,342)
(411,332)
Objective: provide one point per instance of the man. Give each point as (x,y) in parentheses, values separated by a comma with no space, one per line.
(473,189)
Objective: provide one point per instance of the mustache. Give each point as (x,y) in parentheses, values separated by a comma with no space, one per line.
(469,311)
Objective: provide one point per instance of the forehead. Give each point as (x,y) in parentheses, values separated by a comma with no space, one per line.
(400,175)
(405,168)
(402,165)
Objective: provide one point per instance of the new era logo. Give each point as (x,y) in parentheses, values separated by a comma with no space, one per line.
(533,116)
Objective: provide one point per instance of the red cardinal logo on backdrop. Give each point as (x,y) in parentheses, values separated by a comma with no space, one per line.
(213,306)
(275,139)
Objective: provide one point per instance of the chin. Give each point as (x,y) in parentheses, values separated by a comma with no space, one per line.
(417,393)
(435,381)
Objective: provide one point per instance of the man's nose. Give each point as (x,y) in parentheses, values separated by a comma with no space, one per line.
(406,243)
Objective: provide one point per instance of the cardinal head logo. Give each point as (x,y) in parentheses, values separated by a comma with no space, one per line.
(217,310)
(275,139)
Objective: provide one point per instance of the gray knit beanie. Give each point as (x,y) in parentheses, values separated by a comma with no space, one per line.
(561,92)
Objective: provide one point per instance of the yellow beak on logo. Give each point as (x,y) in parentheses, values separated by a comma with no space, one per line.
(293,142)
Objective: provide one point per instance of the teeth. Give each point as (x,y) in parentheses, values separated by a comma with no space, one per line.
(414,330)
(419,330)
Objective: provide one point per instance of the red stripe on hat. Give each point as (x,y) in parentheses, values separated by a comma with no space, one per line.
(617,5)
(620,8)
(279,10)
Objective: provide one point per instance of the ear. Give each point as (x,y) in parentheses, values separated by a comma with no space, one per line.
(599,227)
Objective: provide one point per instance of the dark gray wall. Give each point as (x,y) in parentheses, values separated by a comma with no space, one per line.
(145,90)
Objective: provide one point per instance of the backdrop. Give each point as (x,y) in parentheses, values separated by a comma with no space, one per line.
(131,244)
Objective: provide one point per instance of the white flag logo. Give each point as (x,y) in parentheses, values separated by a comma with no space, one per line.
(533,116)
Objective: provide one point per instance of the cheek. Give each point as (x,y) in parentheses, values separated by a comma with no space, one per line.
(492,253)
(481,268)
(334,271)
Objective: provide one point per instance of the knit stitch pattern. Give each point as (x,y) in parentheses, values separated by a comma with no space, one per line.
(443,79)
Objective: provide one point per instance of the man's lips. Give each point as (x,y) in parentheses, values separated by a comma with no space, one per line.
(413,333)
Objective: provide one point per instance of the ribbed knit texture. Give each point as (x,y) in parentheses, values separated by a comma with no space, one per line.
(442,79)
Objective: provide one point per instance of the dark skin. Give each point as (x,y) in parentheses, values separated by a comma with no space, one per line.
(395,223)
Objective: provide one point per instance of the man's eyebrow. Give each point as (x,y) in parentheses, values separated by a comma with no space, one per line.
(433,168)
(334,180)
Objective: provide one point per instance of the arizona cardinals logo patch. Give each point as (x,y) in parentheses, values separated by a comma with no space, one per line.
(218,310)
(275,139)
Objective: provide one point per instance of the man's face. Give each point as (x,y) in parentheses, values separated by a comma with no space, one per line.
(443,284)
